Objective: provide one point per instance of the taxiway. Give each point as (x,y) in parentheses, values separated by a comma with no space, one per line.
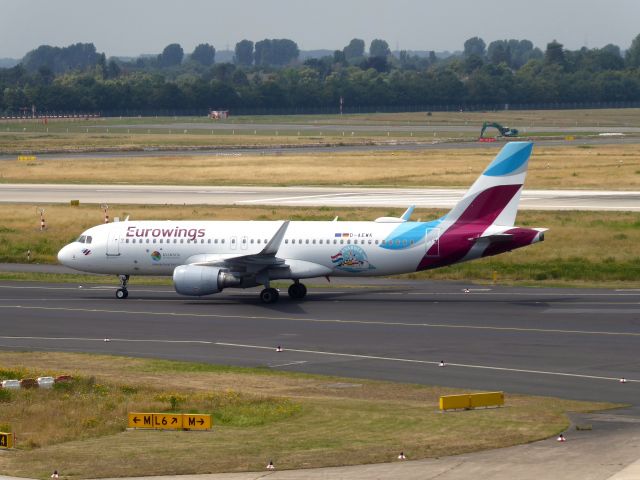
(570,343)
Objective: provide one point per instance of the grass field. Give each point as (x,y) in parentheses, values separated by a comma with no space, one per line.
(298,420)
(615,167)
(582,248)
(123,134)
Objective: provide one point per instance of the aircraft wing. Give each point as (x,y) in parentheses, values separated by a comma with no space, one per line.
(265,260)
(250,263)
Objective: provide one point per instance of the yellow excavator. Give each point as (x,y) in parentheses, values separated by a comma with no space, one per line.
(504,131)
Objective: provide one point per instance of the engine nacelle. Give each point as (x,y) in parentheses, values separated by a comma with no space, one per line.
(198,280)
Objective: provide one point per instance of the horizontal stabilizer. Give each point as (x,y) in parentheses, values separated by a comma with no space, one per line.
(501,237)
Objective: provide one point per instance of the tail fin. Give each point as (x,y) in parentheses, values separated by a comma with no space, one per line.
(482,223)
(494,197)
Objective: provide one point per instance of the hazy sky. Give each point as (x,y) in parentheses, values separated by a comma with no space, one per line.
(131,27)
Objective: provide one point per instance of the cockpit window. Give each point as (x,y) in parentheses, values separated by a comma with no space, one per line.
(88,239)
(81,239)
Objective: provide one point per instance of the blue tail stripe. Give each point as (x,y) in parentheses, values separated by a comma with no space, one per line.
(510,159)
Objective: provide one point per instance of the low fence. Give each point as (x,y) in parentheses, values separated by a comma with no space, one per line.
(319,110)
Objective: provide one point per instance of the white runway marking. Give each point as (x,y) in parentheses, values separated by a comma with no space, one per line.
(288,364)
(296,198)
(88,339)
(429,362)
(616,293)
(322,320)
(320,352)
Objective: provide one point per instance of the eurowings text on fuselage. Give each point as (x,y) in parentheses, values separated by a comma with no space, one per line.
(205,257)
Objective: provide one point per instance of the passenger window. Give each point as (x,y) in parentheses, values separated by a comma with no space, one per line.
(215,240)
(314,241)
(209,241)
(349,242)
(222,241)
(383,242)
(286,241)
(335,241)
(182,240)
(307,241)
(320,241)
(376,242)
(341,242)
(147,240)
(404,243)
(397,242)
(154,240)
(369,241)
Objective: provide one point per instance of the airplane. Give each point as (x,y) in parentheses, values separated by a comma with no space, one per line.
(205,257)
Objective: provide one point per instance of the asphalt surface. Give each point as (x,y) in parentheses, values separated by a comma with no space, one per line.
(323,147)
(348,128)
(306,196)
(569,343)
(566,343)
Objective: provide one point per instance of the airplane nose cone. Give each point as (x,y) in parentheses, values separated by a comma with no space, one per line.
(65,255)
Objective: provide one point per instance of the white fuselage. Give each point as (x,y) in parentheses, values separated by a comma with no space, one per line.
(321,248)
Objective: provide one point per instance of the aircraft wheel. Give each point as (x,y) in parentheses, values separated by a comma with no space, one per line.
(269,295)
(122,293)
(297,291)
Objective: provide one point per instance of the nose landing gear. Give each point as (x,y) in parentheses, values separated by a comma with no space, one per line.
(122,292)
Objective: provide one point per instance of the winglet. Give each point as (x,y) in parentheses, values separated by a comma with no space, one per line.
(274,244)
(407,214)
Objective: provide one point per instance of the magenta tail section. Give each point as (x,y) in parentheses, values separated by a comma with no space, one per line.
(482,223)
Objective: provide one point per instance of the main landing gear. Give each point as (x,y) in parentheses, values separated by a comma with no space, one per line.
(122,292)
(297,291)
(269,295)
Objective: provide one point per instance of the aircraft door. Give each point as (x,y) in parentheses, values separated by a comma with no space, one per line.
(113,242)
(432,243)
(234,243)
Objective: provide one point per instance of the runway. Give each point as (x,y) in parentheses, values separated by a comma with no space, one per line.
(328,146)
(306,196)
(570,343)
(372,127)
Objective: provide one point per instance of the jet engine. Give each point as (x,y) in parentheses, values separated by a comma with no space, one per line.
(197,280)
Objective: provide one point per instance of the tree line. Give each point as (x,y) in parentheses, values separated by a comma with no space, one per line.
(268,75)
